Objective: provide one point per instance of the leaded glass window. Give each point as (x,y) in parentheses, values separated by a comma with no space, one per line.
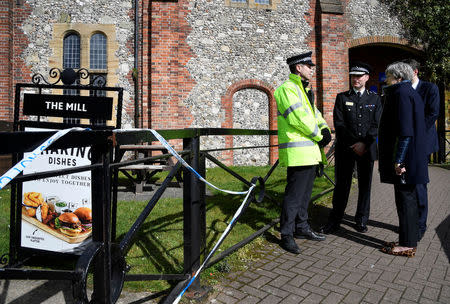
(98,52)
(71,51)
(71,59)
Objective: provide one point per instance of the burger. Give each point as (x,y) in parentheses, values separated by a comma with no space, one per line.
(85,216)
(68,223)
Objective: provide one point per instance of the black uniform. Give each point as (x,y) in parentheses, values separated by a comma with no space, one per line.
(355,120)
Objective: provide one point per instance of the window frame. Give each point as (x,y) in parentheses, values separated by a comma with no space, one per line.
(252,4)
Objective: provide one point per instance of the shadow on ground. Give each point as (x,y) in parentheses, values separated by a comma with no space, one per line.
(38,294)
(318,215)
(443,232)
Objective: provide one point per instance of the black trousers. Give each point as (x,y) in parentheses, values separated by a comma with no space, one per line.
(294,213)
(343,170)
(422,194)
(407,203)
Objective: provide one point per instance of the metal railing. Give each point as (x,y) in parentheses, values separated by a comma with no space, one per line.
(105,256)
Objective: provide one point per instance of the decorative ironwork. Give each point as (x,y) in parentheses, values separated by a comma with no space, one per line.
(98,81)
(4,259)
(68,77)
(54,73)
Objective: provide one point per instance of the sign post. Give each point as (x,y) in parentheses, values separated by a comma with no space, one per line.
(55,212)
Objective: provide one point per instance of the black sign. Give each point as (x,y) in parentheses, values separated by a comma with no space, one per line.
(68,106)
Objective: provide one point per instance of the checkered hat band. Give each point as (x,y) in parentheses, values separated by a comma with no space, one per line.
(306,59)
(359,69)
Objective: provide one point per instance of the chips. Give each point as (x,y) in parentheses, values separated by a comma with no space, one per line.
(33,199)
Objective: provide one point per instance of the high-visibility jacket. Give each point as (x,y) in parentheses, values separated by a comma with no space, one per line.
(299,125)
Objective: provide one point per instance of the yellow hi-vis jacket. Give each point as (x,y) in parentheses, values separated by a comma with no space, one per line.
(299,125)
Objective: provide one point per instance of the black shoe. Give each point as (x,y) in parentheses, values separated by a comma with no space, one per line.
(361,228)
(309,235)
(330,227)
(288,244)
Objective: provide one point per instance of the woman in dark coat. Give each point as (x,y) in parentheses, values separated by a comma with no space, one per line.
(402,155)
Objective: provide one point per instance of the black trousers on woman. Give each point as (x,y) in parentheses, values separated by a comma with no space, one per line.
(407,203)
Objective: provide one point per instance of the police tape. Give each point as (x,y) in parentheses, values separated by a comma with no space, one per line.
(21,165)
(172,151)
(222,237)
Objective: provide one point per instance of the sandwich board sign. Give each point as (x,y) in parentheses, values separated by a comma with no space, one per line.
(56,212)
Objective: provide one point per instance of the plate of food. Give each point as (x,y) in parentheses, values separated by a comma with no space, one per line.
(72,227)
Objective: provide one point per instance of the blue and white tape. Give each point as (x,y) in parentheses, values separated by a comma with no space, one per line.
(236,215)
(179,158)
(21,165)
(222,237)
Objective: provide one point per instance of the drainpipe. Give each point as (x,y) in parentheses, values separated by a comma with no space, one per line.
(136,64)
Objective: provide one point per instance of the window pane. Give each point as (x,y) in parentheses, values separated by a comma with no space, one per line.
(71,51)
(262,1)
(98,52)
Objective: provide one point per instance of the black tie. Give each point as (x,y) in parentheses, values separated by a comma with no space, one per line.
(359,94)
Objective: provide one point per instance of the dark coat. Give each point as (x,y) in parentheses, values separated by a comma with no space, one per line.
(430,96)
(356,119)
(403,115)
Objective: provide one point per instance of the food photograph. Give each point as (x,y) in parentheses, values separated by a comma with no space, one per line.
(63,220)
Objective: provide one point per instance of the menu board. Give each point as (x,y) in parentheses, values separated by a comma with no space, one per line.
(57,211)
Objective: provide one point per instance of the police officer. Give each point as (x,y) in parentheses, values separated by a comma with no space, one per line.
(356,116)
(302,134)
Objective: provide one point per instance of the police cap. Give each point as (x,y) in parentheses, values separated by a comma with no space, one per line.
(360,68)
(304,58)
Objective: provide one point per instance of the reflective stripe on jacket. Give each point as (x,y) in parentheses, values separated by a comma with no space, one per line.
(299,125)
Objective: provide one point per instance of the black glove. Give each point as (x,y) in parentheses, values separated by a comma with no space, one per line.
(326,138)
(319,170)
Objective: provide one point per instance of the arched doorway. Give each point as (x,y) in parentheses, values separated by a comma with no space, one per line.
(251,111)
(379,56)
(256,96)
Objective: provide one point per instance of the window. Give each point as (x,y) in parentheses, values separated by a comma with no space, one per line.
(91,47)
(257,4)
(71,59)
(71,51)
(97,52)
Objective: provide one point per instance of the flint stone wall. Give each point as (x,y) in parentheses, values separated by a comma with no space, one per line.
(230,44)
(39,30)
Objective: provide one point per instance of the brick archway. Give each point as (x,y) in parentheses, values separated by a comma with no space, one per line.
(227,106)
(379,52)
(384,40)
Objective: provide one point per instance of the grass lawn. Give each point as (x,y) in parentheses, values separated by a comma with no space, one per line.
(159,245)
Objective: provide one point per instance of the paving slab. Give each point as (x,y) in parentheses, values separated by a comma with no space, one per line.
(348,266)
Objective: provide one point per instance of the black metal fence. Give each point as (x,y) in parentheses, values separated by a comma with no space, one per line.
(105,257)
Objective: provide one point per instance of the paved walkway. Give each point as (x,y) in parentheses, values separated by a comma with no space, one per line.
(346,268)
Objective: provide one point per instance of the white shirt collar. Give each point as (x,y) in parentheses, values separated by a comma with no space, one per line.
(362,90)
(415,84)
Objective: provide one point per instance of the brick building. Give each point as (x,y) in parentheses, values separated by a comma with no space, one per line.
(199,63)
